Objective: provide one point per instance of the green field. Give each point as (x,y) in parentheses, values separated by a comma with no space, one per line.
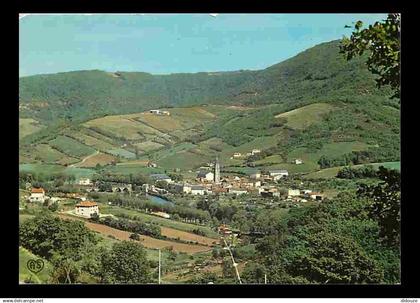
(305,116)
(126,169)
(40,278)
(184,160)
(331,172)
(106,209)
(124,126)
(91,141)
(120,152)
(71,147)
(47,154)
(28,126)
(51,169)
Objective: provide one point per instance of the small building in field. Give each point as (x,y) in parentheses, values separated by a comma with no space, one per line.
(269,192)
(181,188)
(255,151)
(293,192)
(198,190)
(224,230)
(316,196)
(236,155)
(161,214)
(297,161)
(151,164)
(278,174)
(84,181)
(205,176)
(256,175)
(37,195)
(161,177)
(165,113)
(87,209)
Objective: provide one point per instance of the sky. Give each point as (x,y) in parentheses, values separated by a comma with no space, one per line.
(172,43)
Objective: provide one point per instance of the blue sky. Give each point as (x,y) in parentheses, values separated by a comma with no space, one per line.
(172,43)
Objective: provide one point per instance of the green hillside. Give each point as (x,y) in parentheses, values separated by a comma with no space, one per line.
(315,106)
(317,73)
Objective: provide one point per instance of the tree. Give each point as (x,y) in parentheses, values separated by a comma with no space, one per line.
(228,269)
(382,40)
(386,205)
(135,237)
(126,263)
(94,217)
(333,258)
(254,273)
(53,207)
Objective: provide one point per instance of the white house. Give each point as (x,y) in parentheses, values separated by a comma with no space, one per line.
(278,174)
(87,208)
(205,175)
(181,188)
(316,196)
(37,195)
(84,181)
(237,155)
(256,175)
(255,151)
(161,177)
(298,161)
(293,192)
(198,190)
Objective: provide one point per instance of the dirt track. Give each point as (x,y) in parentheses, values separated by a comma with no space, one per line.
(186,236)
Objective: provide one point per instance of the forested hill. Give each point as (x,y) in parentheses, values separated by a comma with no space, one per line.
(317,74)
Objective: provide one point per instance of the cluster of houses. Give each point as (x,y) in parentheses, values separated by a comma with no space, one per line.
(238,155)
(83,208)
(160,112)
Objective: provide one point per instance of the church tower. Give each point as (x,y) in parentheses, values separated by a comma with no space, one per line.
(217,171)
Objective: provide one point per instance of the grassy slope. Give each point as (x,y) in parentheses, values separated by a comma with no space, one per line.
(24,273)
(318,74)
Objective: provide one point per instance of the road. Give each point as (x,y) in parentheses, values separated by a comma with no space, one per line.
(85,158)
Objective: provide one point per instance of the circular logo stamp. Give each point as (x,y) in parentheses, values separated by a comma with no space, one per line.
(35,266)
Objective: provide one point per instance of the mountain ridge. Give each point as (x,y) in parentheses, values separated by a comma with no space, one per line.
(318,73)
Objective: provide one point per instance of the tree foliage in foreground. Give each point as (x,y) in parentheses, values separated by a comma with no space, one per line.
(339,241)
(126,263)
(382,40)
(386,206)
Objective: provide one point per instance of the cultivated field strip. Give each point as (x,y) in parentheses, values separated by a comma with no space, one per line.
(146,241)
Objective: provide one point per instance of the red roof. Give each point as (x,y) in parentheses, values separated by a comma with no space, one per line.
(86,204)
(38,190)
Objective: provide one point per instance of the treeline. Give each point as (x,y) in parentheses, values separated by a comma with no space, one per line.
(358,157)
(179,212)
(353,173)
(151,230)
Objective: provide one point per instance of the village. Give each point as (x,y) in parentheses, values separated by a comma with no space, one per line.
(208,182)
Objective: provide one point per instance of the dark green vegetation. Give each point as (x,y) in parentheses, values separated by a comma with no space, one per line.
(318,73)
(316,106)
(75,256)
(349,239)
(382,40)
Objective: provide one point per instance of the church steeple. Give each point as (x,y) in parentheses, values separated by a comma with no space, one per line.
(217,171)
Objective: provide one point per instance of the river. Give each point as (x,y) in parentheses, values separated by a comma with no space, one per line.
(160,200)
